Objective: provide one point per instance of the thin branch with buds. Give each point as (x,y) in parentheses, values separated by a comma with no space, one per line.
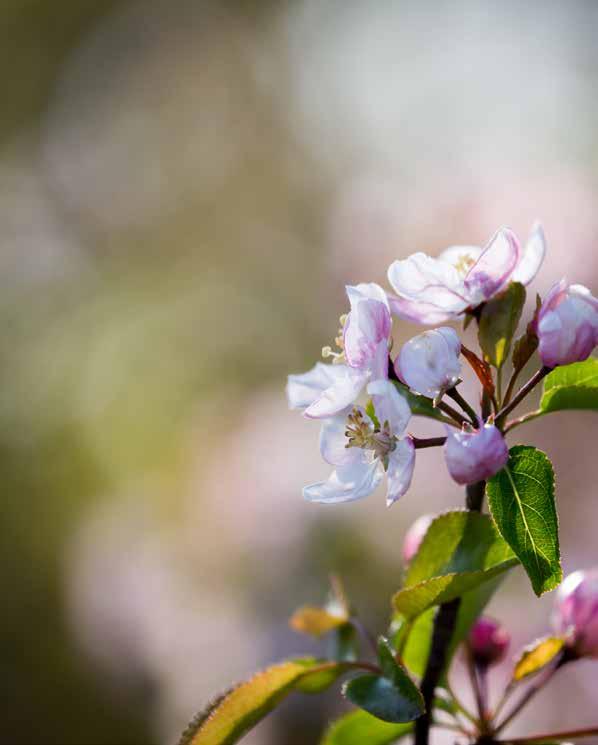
(523,392)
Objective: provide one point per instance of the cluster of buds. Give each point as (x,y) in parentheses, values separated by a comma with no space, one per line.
(366,439)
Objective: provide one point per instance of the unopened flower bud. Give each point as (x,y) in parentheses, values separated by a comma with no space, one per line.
(575,614)
(415,535)
(429,363)
(567,325)
(476,455)
(488,641)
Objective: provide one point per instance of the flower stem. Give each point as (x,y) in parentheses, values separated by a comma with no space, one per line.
(532,690)
(572,734)
(521,420)
(445,623)
(453,413)
(456,396)
(427,442)
(523,392)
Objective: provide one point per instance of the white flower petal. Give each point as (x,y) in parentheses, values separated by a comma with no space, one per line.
(340,395)
(390,405)
(366,290)
(532,256)
(304,389)
(420,277)
(400,470)
(494,267)
(346,483)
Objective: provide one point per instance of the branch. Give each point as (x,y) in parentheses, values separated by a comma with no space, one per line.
(523,391)
(571,734)
(442,634)
(427,442)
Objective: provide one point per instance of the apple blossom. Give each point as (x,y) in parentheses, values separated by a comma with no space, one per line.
(576,612)
(567,325)
(475,455)
(415,536)
(433,290)
(488,641)
(362,452)
(328,390)
(429,363)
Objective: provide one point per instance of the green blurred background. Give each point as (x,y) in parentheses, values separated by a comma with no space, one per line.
(185,189)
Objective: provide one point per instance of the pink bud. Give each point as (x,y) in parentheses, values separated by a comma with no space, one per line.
(575,612)
(429,363)
(488,641)
(567,325)
(475,456)
(415,535)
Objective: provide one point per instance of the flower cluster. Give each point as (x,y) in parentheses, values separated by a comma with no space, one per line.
(362,397)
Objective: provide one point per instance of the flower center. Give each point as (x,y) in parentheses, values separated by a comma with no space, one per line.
(337,357)
(464,264)
(361,433)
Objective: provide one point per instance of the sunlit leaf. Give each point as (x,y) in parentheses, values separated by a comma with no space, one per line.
(522,502)
(537,655)
(460,551)
(498,323)
(571,387)
(359,727)
(315,621)
(234,713)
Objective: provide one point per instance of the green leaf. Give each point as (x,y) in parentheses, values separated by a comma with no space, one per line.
(392,696)
(390,700)
(460,551)
(498,323)
(571,387)
(419,405)
(522,502)
(234,713)
(345,643)
(359,727)
(537,655)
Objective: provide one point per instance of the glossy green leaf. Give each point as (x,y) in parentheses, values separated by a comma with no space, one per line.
(537,655)
(392,696)
(571,387)
(234,713)
(397,700)
(460,551)
(359,727)
(498,323)
(419,405)
(522,502)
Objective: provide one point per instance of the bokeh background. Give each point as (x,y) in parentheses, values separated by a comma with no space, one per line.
(185,188)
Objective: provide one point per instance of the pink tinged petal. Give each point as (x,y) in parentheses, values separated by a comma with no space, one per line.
(567,325)
(401,463)
(420,277)
(429,363)
(575,613)
(340,395)
(531,257)
(365,291)
(304,389)
(333,442)
(475,456)
(417,311)
(346,483)
(368,324)
(390,406)
(493,270)
(415,535)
